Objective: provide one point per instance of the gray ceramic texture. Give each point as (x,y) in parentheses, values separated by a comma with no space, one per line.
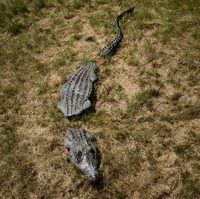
(76,91)
(83,152)
(113,44)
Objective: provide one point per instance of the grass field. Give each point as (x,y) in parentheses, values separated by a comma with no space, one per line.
(146,104)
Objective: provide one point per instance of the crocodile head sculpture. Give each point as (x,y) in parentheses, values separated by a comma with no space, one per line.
(83,152)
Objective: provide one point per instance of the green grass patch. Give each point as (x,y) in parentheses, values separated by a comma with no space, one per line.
(17,9)
(40,4)
(182,148)
(121,135)
(15,27)
(140,100)
(191,186)
(190,111)
(9,140)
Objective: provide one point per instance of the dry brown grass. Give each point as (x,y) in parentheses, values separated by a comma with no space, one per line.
(147,109)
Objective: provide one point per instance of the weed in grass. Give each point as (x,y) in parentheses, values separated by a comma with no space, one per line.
(15,27)
(95,20)
(38,37)
(69,55)
(76,4)
(20,77)
(154,73)
(191,111)
(191,186)
(2,21)
(59,62)
(143,14)
(148,48)
(143,135)
(133,61)
(141,17)
(9,140)
(76,36)
(57,21)
(107,71)
(159,83)
(140,99)
(84,60)
(42,87)
(42,68)
(40,4)
(107,92)
(17,9)
(142,82)
(182,148)
(60,2)
(150,158)
(135,159)
(175,82)
(166,117)
(194,137)
(189,56)
(76,26)
(160,128)
(10,91)
(99,119)
(193,78)
(196,35)
(197,166)
(69,13)
(121,135)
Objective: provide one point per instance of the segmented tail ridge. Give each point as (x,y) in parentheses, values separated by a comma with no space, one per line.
(107,49)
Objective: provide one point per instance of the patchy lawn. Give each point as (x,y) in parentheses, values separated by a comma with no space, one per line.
(146,103)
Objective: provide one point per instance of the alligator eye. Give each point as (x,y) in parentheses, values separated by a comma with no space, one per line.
(79,154)
(92,151)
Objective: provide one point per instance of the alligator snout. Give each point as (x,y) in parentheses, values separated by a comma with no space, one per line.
(92,177)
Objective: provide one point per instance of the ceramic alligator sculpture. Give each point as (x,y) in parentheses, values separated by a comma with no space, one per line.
(76,91)
(74,99)
(83,152)
(112,45)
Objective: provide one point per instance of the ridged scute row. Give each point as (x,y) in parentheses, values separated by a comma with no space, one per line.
(76,91)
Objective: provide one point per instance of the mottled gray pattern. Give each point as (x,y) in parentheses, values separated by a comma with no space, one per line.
(83,152)
(107,49)
(76,91)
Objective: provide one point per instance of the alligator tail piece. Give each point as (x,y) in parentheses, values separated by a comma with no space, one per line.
(107,49)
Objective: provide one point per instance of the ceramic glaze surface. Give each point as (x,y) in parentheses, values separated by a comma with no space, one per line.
(76,91)
(83,152)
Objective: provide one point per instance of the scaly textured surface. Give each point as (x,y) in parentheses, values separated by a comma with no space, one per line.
(76,91)
(83,152)
(107,49)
